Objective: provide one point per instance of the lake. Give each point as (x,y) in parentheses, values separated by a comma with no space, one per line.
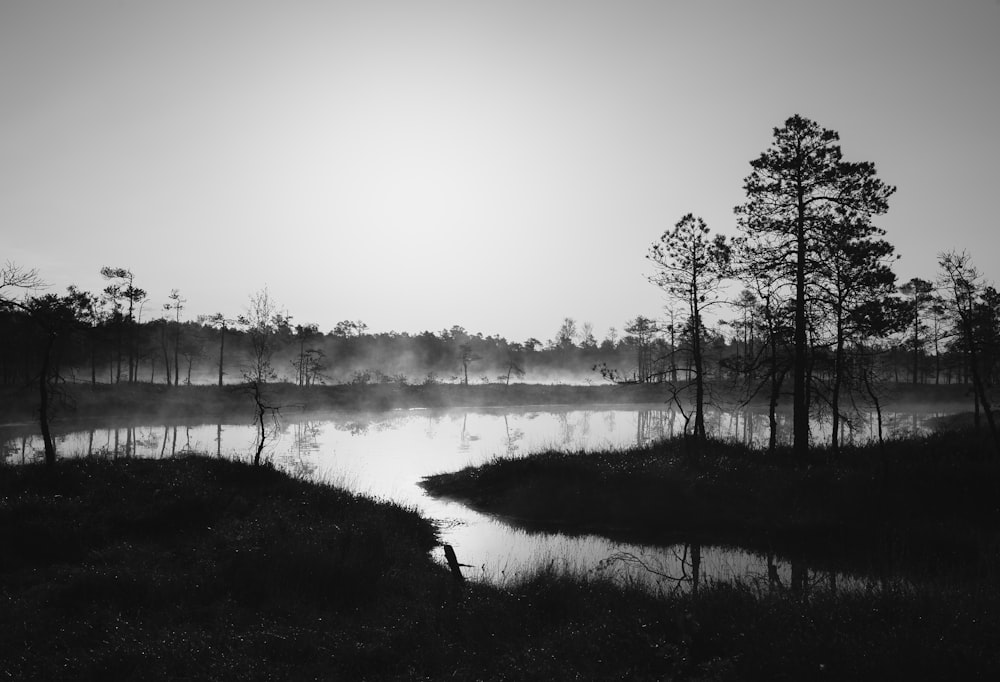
(385,455)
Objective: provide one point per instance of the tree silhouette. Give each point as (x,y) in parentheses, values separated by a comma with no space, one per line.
(799,192)
(969,301)
(220,322)
(55,317)
(262,321)
(467,355)
(122,288)
(921,294)
(14,276)
(307,365)
(691,266)
(177,305)
(641,332)
(854,290)
(566,335)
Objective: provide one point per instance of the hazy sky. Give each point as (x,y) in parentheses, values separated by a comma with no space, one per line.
(497,165)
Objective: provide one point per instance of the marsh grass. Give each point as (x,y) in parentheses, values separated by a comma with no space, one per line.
(126,569)
(204,568)
(931,502)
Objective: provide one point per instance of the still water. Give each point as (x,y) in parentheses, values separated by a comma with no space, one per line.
(385,455)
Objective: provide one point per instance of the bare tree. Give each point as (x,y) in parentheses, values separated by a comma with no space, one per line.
(566,335)
(14,276)
(261,320)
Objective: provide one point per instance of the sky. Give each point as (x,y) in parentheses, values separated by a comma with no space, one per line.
(495,165)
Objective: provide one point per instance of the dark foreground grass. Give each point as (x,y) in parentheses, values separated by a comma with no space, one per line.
(931,504)
(197,568)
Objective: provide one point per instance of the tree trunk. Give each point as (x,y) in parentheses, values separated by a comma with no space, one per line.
(93,360)
(259,419)
(166,352)
(133,354)
(118,372)
(696,352)
(302,363)
(838,369)
(982,399)
(772,412)
(177,350)
(43,405)
(222,348)
(800,400)
(131,331)
(776,381)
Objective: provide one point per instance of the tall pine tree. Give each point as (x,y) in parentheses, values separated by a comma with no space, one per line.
(799,193)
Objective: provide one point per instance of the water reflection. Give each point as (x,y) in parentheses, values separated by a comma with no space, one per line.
(385,455)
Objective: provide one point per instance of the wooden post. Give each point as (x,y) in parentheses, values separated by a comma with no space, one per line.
(456,568)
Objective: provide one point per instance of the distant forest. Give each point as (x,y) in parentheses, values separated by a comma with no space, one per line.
(100,340)
(103,343)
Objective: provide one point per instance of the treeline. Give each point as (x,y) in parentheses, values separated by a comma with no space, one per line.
(99,338)
(86,337)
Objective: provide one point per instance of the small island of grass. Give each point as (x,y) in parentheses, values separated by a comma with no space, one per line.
(934,498)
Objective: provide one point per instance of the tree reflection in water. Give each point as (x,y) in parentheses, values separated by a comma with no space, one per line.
(386,454)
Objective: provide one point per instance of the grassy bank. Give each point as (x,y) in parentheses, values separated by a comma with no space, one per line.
(931,503)
(199,568)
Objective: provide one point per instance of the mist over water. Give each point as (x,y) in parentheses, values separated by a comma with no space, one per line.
(385,455)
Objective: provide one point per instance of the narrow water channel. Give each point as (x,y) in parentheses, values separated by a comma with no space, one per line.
(385,455)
